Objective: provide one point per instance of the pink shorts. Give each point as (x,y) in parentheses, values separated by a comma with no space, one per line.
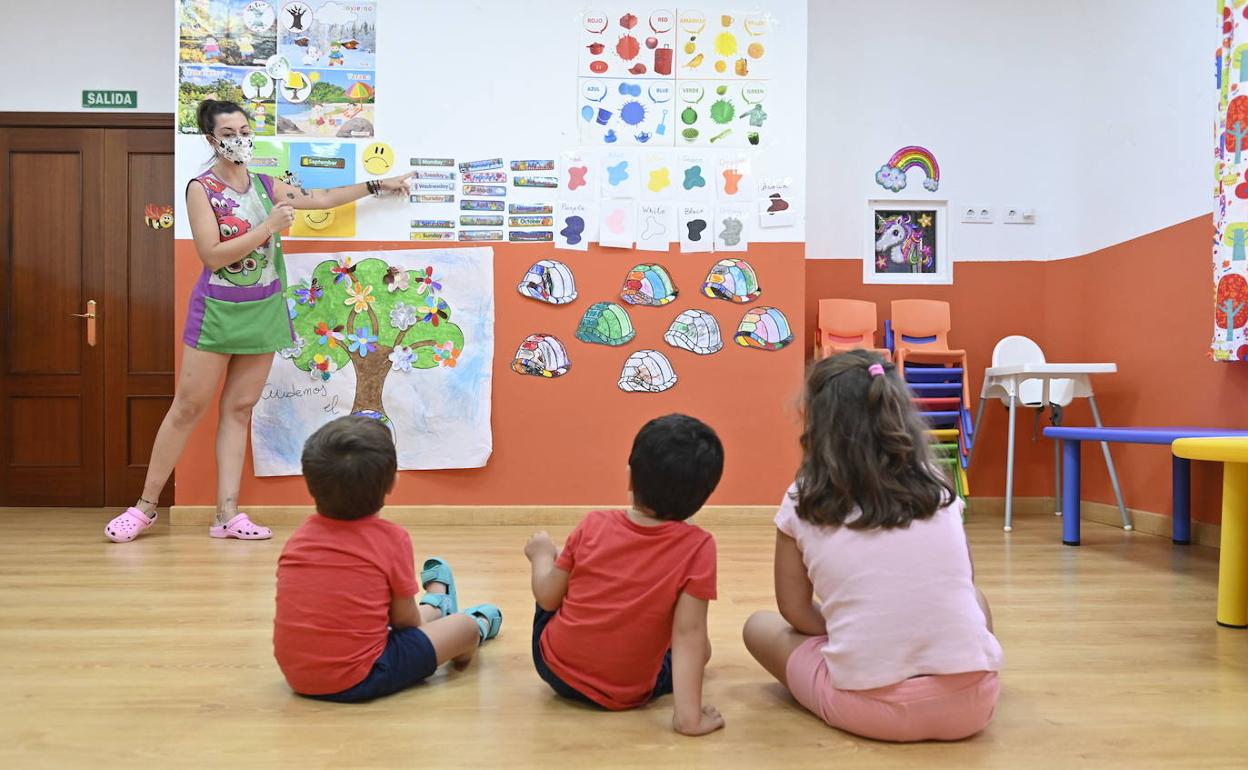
(946,707)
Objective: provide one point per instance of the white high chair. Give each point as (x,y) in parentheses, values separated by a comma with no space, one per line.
(1017,349)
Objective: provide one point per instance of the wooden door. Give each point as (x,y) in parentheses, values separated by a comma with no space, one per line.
(137,333)
(51,264)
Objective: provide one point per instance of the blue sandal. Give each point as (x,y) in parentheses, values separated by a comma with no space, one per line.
(436,570)
(489,619)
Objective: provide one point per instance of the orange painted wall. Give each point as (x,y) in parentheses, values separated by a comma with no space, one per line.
(1143,304)
(566,441)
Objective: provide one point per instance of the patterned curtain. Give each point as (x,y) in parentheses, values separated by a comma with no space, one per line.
(1230,214)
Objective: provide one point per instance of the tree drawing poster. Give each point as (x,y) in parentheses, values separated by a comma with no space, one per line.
(405,337)
(1230,209)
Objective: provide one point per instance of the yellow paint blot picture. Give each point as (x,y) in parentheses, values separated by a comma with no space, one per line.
(725,44)
(659,180)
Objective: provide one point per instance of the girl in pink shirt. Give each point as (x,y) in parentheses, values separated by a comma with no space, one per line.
(881,631)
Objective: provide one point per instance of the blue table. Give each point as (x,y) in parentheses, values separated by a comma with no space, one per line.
(1180,471)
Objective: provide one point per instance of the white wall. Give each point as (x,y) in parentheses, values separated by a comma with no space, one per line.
(483,110)
(1096,115)
(71,45)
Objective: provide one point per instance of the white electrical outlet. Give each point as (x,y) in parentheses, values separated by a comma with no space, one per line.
(978,214)
(1018,215)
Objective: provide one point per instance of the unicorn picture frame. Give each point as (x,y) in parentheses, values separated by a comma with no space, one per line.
(907,242)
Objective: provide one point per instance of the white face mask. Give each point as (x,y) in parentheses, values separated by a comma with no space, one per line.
(236,149)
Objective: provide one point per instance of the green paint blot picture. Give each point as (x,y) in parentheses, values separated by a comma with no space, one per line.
(722,111)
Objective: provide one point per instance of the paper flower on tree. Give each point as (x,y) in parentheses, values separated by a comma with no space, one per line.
(294,350)
(396,279)
(446,354)
(359,298)
(308,295)
(401,359)
(425,282)
(402,316)
(322,367)
(343,271)
(326,335)
(362,341)
(433,310)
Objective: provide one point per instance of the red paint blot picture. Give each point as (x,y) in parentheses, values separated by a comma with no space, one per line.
(628,48)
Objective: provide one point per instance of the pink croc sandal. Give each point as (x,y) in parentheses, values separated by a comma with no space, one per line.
(128,525)
(242,528)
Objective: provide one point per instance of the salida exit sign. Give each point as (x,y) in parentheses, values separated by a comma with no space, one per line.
(111,100)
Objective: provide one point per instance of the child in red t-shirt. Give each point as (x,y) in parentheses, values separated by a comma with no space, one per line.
(621,615)
(348,627)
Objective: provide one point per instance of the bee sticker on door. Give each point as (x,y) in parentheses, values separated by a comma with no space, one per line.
(158,217)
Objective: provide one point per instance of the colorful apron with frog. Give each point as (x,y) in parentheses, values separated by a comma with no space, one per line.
(241,308)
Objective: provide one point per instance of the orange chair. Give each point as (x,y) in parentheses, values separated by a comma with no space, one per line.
(921,334)
(846,324)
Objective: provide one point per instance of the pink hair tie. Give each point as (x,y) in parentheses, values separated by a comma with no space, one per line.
(876,370)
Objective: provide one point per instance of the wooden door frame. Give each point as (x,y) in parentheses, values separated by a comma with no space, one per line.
(115,236)
(86,120)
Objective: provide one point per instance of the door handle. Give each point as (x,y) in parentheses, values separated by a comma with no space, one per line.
(90,316)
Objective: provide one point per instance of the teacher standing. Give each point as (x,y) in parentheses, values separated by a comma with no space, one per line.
(237,317)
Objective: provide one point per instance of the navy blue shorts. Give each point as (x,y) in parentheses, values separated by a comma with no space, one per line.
(409,658)
(662,685)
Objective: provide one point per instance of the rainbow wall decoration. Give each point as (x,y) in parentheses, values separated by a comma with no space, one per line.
(892,175)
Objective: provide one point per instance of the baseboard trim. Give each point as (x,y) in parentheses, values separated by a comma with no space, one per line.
(1146,522)
(469,515)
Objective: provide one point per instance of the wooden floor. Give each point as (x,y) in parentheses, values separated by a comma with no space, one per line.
(157,654)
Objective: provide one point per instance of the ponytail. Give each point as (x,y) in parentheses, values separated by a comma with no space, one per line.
(209,109)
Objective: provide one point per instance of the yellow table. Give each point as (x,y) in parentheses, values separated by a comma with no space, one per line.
(1233,560)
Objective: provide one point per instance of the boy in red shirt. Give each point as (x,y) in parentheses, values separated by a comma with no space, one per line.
(621,615)
(348,627)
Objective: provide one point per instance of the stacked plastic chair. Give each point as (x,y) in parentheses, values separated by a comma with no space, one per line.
(918,335)
(846,324)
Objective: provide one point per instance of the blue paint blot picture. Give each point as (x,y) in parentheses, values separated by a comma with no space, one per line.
(617,174)
(575,225)
(633,113)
